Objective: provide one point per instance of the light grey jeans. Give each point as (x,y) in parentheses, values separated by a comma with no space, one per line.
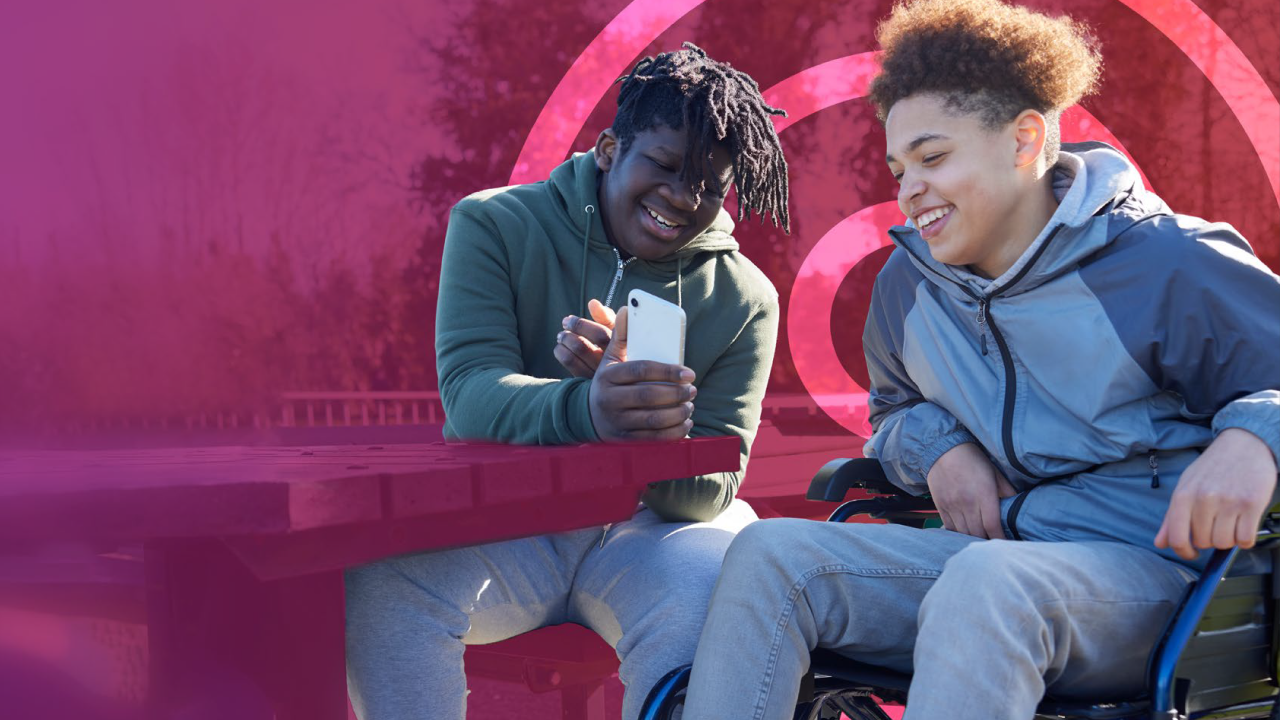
(645,591)
(986,625)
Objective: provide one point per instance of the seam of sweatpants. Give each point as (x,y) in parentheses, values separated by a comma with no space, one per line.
(796,589)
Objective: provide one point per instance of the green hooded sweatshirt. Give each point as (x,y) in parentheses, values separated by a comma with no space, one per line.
(518,259)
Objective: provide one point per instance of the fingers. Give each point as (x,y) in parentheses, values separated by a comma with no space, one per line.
(1203,513)
(654,419)
(649,396)
(601,313)
(650,371)
(592,332)
(676,432)
(1246,530)
(1175,533)
(990,509)
(587,351)
(1223,533)
(574,364)
(946,520)
(1004,488)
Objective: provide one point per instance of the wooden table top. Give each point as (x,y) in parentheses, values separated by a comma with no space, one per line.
(305,491)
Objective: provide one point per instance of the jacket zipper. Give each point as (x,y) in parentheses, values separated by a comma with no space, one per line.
(617,276)
(982,322)
(1011,380)
(1155,469)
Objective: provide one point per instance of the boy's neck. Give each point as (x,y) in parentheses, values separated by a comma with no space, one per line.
(1029,218)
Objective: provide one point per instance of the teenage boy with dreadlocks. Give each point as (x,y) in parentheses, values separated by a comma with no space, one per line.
(517,363)
(1084,381)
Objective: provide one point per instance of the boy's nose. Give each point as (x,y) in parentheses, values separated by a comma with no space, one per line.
(908,192)
(683,197)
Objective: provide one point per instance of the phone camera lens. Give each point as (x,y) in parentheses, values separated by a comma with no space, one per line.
(635,302)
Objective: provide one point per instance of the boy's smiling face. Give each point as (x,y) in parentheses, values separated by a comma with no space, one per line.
(645,181)
(959,181)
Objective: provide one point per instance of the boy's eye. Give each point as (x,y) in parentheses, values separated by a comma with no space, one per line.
(897,177)
(931,159)
(662,165)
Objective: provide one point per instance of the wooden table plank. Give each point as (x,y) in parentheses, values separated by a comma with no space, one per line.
(228,491)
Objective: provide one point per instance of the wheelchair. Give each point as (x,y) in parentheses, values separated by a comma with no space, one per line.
(1217,657)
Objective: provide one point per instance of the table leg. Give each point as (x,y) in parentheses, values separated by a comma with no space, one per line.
(225,644)
(583,702)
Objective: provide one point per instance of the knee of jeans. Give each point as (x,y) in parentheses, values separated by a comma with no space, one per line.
(986,576)
(762,549)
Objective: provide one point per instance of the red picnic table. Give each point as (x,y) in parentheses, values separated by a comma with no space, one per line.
(244,547)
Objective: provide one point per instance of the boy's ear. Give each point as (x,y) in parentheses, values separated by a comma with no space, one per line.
(606,148)
(1030,134)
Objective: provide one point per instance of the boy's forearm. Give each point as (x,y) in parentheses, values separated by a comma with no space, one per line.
(911,438)
(694,499)
(502,405)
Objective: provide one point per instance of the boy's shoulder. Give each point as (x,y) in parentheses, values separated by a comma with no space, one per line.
(753,286)
(504,200)
(1150,237)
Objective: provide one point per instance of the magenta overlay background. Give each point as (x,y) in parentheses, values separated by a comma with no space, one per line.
(208,208)
(207,205)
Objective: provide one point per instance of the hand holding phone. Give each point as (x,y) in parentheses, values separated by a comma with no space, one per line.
(639,399)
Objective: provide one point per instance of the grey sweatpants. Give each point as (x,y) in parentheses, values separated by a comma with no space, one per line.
(645,591)
(986,625)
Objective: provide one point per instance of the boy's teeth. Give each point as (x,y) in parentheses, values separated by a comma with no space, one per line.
(661,220)
(932,216)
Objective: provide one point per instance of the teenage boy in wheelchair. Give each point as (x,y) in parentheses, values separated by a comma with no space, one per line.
(1086,383)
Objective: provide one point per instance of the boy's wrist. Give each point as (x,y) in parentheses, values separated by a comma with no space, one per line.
(1240,440)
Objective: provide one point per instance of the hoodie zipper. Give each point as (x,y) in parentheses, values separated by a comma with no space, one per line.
(617,276)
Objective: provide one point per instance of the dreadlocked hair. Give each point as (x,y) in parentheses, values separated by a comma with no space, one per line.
(714,102)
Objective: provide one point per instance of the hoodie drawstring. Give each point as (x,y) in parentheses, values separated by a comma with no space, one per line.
(679,278)
(582,283)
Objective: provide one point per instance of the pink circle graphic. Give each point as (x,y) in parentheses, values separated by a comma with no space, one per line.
(643,21)
(813,294)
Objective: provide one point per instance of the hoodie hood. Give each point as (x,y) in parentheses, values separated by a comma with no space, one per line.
(1090,180)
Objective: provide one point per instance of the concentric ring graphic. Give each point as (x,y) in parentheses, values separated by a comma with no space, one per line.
(823,86)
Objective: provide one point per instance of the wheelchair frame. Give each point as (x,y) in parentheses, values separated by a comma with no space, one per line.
(1216,659)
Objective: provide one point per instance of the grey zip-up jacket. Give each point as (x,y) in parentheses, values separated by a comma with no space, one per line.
(1093,371)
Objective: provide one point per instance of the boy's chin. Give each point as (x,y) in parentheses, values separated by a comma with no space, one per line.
(949,252)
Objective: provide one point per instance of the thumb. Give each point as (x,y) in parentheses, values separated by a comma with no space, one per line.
(601,313)
(617,350)
(1004,488)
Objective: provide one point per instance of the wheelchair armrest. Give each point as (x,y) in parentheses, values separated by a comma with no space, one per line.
(837,477)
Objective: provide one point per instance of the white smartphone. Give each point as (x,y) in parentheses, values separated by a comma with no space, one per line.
(655,329)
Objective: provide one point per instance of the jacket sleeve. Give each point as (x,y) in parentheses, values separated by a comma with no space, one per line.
(1219,344)
(909,432)
(483,388)
(729,402)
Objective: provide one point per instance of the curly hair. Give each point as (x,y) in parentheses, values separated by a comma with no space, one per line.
(986,58)
(687,89)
